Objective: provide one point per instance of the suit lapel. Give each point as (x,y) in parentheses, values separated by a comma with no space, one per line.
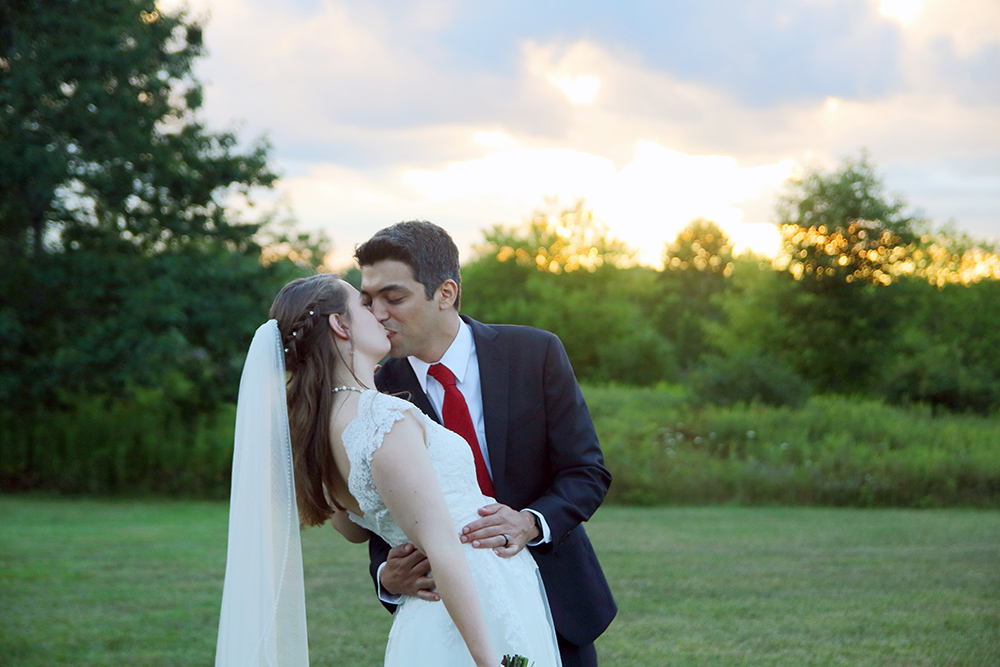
(493,381)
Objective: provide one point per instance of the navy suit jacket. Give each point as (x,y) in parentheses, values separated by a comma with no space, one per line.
(544,454)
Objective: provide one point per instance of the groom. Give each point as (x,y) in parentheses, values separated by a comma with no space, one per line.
(540,453)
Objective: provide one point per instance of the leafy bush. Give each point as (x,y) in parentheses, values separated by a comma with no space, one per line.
(660,447)
(936,374)
(746,378)
(140,445)
(832,451)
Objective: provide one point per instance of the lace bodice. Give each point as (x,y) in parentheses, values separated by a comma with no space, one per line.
(450,455)
(503,583)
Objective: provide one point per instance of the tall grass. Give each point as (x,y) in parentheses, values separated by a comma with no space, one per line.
(833,451)
(661,449)
(142,445)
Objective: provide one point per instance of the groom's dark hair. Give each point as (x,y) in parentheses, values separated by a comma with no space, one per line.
(423,246)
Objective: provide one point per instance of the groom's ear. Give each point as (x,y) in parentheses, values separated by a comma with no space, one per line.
(338,327)
(446,294)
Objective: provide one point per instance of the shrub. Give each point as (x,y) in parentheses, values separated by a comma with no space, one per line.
(143,444)
(832,451)
(748,378)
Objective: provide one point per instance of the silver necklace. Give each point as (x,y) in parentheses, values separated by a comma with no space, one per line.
(347,388)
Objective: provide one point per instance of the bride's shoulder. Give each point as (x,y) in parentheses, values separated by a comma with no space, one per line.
(380,401)
(378,418)
(385,409)
(395,421)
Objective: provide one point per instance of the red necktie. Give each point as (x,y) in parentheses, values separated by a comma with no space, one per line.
(456,418)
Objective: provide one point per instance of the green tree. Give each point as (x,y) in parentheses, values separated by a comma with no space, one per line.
(127,262)
(845,240)
(513,261)
(755,310)
(696,267)
(843,227)
(753,354)
(99,143)
(945,349)
(948,256)
(701,246)
(558,240)
(562,272)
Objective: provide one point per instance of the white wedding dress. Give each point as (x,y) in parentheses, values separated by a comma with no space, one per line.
(510,589)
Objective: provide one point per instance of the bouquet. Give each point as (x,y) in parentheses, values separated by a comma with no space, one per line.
(515,661)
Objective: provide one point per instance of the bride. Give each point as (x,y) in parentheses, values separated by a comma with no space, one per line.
(365,461)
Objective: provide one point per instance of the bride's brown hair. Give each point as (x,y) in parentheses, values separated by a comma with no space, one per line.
(302,309)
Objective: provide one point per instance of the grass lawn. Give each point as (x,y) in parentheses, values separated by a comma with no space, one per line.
(86,582)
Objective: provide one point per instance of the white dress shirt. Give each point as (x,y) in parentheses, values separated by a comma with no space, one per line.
(461,360)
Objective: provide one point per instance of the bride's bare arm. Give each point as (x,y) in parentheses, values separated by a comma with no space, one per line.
(404,477)
(351,531)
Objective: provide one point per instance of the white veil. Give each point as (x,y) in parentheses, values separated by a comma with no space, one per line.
(263,620)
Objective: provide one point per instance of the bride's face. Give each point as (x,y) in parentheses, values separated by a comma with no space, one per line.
(367,332)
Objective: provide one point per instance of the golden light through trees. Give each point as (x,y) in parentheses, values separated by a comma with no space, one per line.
(861,251)
(559,241)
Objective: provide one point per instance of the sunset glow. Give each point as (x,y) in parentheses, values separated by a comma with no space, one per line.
(469,115)
(579,90)
(644,203)
(904,11)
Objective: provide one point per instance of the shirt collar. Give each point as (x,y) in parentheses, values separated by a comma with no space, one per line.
(456,357)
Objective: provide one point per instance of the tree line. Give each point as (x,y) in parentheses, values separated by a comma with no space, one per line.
(134,257)
(130,245)
(136,264)
(864,299)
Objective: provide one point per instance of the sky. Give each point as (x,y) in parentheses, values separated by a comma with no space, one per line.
(478,112)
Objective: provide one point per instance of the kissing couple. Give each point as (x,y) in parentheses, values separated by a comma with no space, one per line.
(468,462)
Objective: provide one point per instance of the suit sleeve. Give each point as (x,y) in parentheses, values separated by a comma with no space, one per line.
(579,480)
(378,551)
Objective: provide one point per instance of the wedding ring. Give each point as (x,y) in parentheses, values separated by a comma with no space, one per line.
(505,540)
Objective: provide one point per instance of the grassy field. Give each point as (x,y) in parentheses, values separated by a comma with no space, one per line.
(86,582)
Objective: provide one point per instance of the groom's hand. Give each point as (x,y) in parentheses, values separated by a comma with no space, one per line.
(502,529)
(408,572)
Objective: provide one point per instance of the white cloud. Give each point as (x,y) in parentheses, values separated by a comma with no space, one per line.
(376,119)
(655,153)
(579,90)
(497,140)
(904,11)
(524,175)
(971,25)
(644,203)
(662,190)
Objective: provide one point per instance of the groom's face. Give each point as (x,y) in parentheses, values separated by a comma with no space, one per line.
(399,302)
